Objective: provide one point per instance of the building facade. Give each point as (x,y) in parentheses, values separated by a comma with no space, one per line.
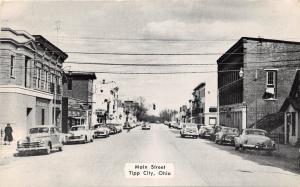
(77,99)
(254,78)
(203,107)
(30,81)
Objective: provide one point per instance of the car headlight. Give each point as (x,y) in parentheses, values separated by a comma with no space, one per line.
(81,136)
(41,141)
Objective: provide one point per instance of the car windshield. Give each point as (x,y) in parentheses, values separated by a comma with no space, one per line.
(39,130)
(99,126)
(256,132)
(229,130)
(78,128)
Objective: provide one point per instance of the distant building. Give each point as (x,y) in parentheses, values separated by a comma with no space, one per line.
(291,110)
(253,95)
(183,114)
(204,110)
(77,99)
(30,81)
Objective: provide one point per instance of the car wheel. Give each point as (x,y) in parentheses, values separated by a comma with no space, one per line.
(60,148)
(48,150)
(85,140)
(182,136)
(242,148)
(92,139)
(216,141)
(236,147)
(221,142)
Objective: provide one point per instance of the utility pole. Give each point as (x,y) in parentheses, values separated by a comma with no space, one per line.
(57,28)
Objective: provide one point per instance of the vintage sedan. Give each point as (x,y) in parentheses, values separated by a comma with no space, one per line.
(205,131)
(112,128)
(146,126)
(101,130)
(40,139)
(79,134)
(254,139)
(226,135)
(119,127)
(189,129)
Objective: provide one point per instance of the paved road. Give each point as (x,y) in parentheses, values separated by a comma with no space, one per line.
(197,162)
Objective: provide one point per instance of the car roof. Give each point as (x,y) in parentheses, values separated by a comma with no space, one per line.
(256,130)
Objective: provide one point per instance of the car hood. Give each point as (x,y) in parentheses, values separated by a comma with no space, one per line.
(77,133)
(230,134)
(102,129)
(34,137)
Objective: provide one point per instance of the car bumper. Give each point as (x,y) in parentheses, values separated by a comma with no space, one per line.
(189,134)
(259,147)
(31,149)
(74,140)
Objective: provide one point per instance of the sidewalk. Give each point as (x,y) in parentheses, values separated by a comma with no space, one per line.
(286,151)
(7,151)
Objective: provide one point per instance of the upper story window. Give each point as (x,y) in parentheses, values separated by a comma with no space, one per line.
(12,71)
(271,84)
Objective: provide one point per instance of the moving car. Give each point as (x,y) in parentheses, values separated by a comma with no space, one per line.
(146,126)
(189,129)
(254,139)
(127,125)
(80,134)
(40,139)
(205,131)
(226,135)
(101,130)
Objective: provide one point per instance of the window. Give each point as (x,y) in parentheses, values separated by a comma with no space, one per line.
(26,72)
(12,73)
(293,114)
(271,81)
(52,131)
(69,84)
(43,116)
(38,77)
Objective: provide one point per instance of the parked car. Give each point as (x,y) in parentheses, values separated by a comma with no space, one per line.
(166,123)
(146,126)
(112,128)
(80,134)
(205,131)
(254,139)
(101,130)
(189,129)
(226,135)
(40,139)
(216,129)
(119,128)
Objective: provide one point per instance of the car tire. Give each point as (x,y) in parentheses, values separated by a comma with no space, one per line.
(92,139)
(221,142)
(85,140)
(48,150)
(236,147)
(242,148)
(60,148)
(182,136)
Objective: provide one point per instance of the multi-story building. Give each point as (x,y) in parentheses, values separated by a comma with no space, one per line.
(30,81)
(254,78)
(182,116)
(77,99)
(203,106)
(106,103)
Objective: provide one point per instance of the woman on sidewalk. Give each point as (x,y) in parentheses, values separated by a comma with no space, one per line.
(8,134)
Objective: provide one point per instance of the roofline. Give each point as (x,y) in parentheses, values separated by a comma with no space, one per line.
(242,39)
(56,49)
(202,84)
(18,32)
(85,74)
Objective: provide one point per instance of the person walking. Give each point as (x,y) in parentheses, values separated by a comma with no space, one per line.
(8,134)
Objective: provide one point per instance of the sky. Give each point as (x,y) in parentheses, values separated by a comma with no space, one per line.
(202,26)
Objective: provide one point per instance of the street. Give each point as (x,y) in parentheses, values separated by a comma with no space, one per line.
(197,162)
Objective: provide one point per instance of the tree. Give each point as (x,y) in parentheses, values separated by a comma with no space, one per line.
(167,114)
(140,109)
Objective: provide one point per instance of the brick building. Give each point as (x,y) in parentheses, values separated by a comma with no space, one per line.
(204,108)
(268,70)
(30,81)
(77,99)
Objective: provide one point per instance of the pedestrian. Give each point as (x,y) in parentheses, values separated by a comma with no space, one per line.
(8,134)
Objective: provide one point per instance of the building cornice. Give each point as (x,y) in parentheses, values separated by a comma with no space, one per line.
(25,91)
